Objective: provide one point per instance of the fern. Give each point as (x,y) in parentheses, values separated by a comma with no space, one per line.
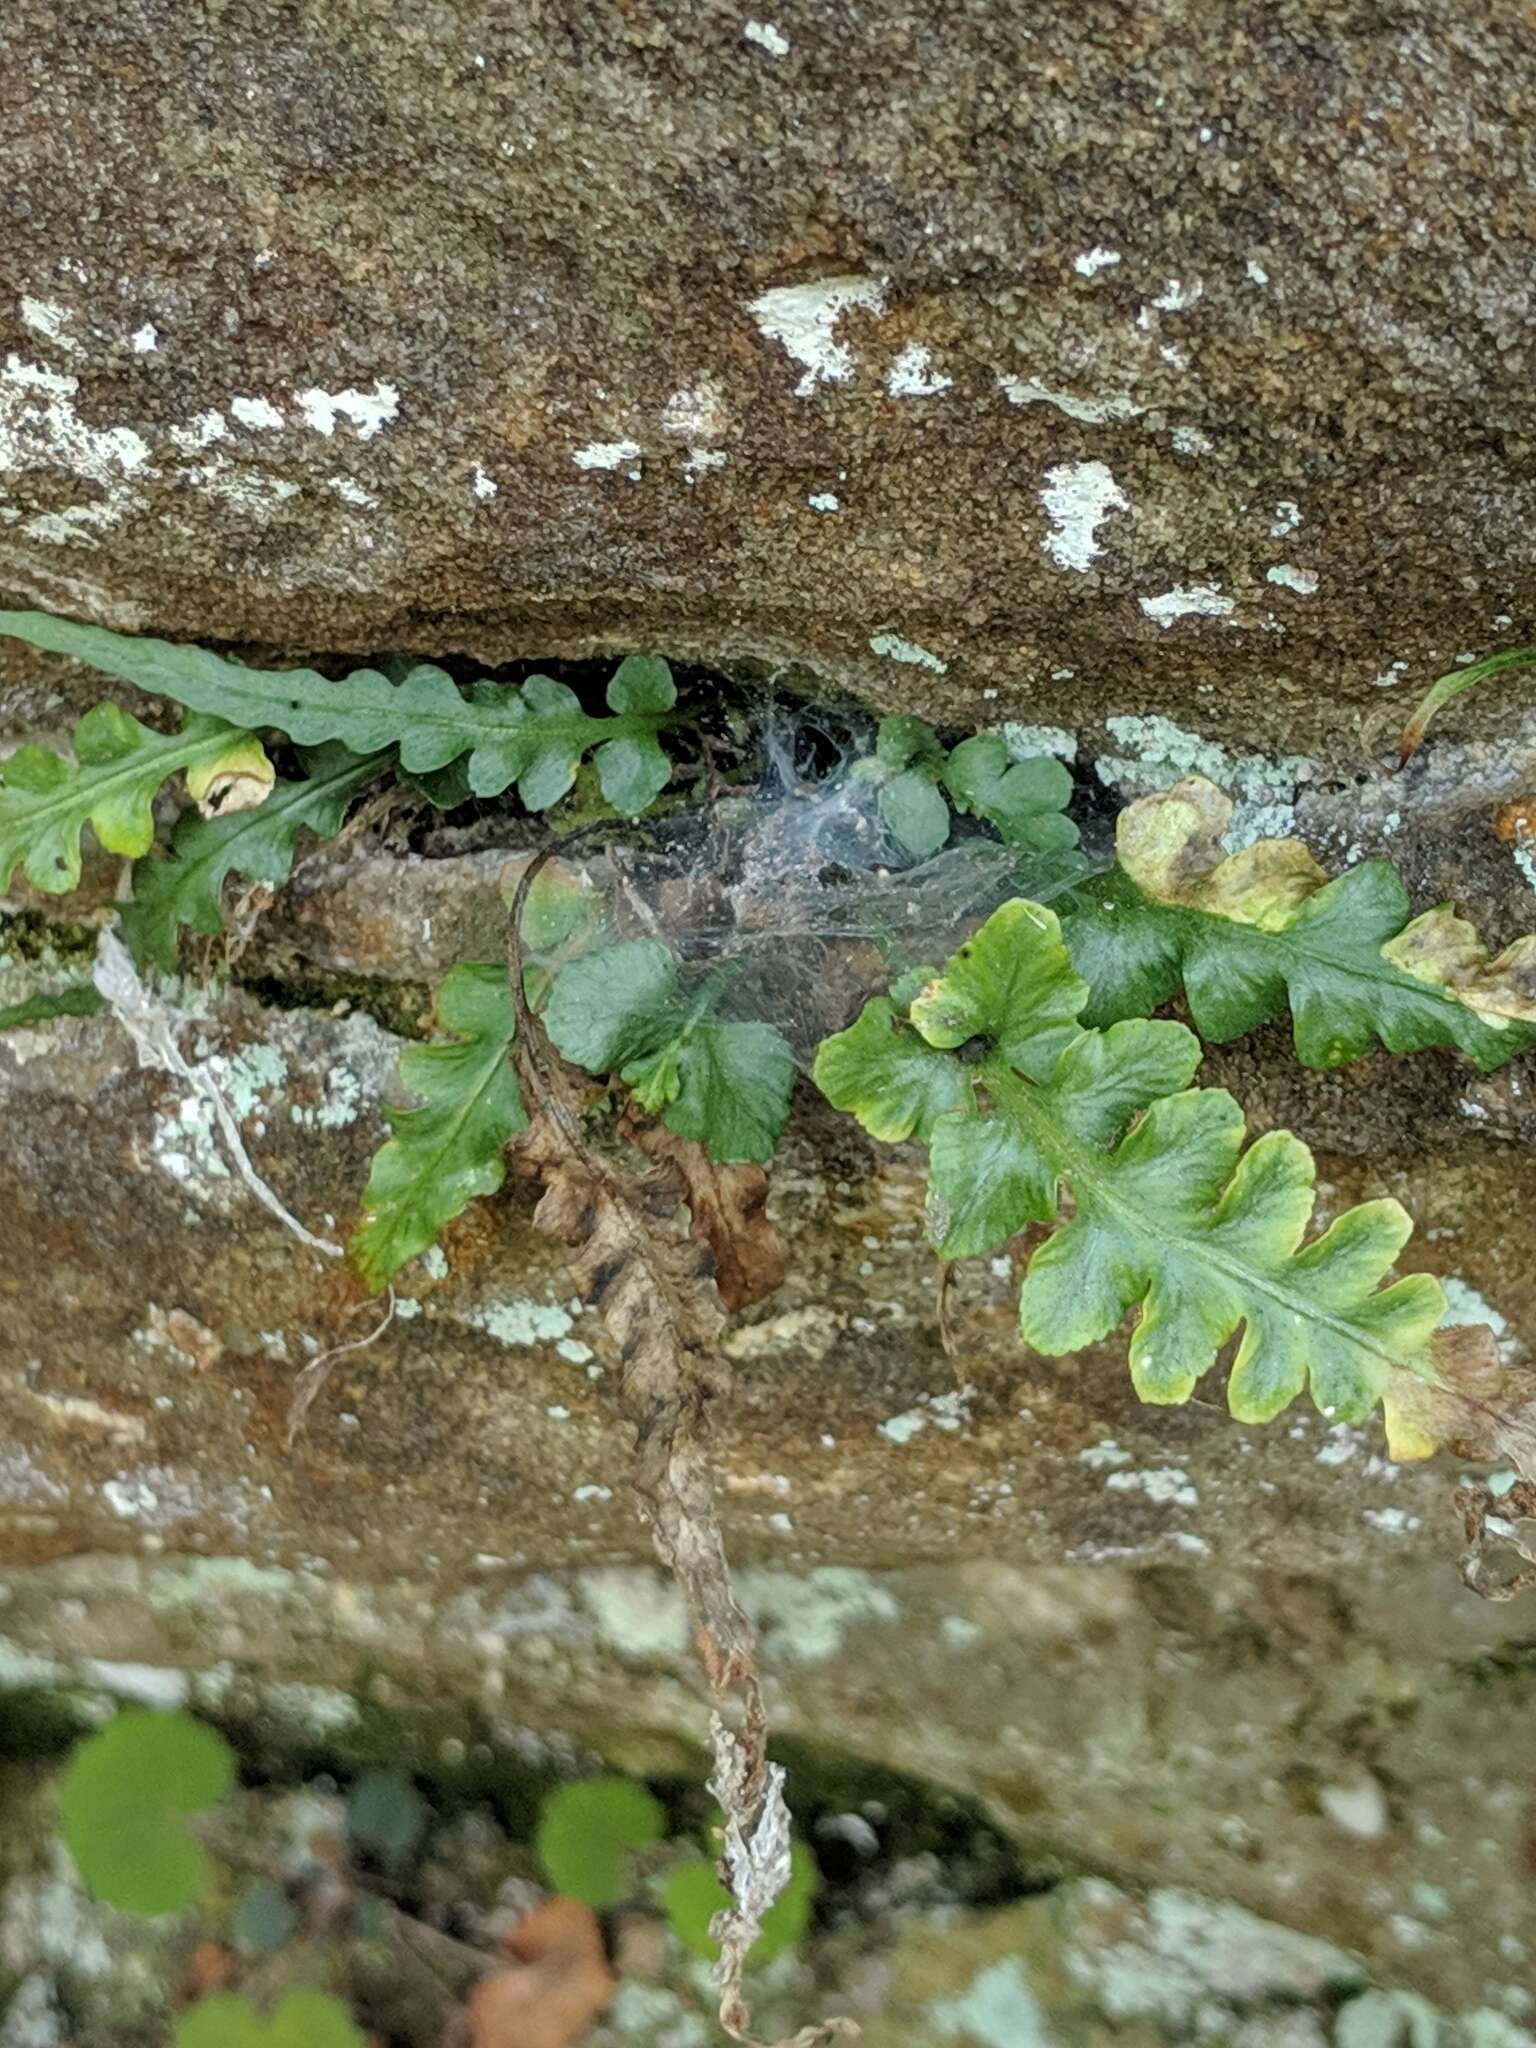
(186,888)
(1173,1217)
(46,800)
(447,1151)
(1265,930)
(81,1001)
(624,1009)
(534,736)
(1024,800)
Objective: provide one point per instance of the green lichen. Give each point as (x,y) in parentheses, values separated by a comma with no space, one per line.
(998,2010)
(1160,753)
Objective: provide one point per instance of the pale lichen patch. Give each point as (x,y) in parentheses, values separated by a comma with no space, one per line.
(1289,577)
(912,375)
(996,2010)
(1199,601)
(894,648)
(607,455)
(1078,497)
(40,428)
(767,37)
(1160,753)
(1164,1486)
(521,1321)
(50,321)
(802,319)
(804,1619)
(1095,412)
(257,413)
(368,411)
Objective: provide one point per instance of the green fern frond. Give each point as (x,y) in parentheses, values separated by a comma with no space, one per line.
(83,1000)
(1173,1218)
(1025,801)
(624,1009)
(1265,930)
(534,735)
(47,800)
(186,888)
(446,1151)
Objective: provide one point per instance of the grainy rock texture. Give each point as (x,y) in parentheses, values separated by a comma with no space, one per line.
(1084,354)
(1159,378)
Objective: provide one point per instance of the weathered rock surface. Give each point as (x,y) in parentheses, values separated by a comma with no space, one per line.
(1069,366)
(1089,358)
(981,1571)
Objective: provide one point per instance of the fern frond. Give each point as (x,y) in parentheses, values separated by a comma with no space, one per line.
(446,1151)
(624,1009)
(1173,1218)
(1265,930)
(81,1001)
(47,800)
(534,735)
(186,887)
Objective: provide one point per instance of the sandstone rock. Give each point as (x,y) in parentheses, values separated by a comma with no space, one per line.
(1089,364)
(1163,383)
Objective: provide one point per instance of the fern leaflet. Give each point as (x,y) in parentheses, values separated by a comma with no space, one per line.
(81,1001)
(1444,688)
(46,801)
(1265,929)
(534,735)
(1173,1217)
(446,1151)
(624,1009)
(185,889)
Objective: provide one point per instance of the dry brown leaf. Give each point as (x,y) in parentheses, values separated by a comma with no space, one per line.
(1475,1405)
(1500,1558)
(657,1293)
(729,1208)
(1445,949)
(558,1983)
(1170,846)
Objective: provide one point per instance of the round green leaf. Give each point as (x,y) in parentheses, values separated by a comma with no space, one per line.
(916,813)
(585,1831)
(902,740)
(300,2019)
(642,682)
(123,1802)
(632,771)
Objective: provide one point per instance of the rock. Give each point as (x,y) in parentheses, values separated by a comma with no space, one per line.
(1091,1967)
(1164,393)
(1186,359)
(1166,1958)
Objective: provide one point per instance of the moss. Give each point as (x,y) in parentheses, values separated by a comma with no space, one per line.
(1510,1663)
(30,935)
(39,1723)
(399,1007)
